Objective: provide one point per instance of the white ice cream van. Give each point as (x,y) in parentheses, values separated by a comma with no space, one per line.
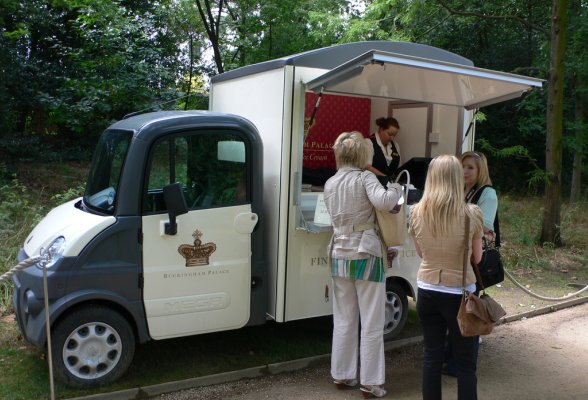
(203,221)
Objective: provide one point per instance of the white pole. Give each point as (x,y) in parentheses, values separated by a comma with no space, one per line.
(48,326)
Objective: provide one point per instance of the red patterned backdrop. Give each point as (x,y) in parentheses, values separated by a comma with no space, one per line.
(335,114)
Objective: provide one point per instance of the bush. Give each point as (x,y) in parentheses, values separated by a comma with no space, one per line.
(20,210)
(20,148)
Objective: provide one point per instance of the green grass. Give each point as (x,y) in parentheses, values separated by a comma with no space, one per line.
(545,270)
(25,374)
(520,221)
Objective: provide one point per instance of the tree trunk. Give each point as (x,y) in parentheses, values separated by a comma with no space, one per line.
(551,226)
(576,188)
(212,26)
(579,102)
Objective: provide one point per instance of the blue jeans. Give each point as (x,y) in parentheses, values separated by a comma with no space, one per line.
(438,314)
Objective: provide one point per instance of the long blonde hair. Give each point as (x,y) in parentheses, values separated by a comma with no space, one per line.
(443,201)
(351,150)
(482,165)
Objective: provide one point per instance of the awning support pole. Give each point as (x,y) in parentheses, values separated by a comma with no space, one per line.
(311,121)
(469,128)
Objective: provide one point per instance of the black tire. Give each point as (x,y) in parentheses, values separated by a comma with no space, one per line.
(396,310)
(92,346)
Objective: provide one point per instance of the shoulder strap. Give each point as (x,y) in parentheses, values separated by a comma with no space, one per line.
(466,250)
(465,258)
(377,228)
(474,199)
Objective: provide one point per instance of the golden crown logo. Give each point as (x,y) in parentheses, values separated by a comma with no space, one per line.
(197,254)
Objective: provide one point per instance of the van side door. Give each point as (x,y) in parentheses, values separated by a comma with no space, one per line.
(198,280)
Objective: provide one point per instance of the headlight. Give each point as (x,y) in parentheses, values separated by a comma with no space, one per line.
(53,253)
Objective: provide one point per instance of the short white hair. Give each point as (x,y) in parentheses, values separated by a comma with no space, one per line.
(351,150)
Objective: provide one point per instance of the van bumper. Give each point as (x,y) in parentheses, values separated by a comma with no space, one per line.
(28,302)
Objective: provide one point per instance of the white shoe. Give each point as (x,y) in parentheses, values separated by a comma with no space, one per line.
(372,391)
(345,383)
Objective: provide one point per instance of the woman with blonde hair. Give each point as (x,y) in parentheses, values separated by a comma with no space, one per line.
(357,266)
(437,225)
(478,190)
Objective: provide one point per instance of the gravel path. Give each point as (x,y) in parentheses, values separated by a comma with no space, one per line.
(540,358)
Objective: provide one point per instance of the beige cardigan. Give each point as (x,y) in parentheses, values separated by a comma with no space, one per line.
(442,262)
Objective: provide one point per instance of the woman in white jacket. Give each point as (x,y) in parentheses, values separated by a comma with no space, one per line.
(357,266)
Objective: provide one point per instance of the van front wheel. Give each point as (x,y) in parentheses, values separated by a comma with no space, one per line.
(396,312)
(92,346)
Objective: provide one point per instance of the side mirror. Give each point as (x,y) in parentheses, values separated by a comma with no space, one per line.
(176,205)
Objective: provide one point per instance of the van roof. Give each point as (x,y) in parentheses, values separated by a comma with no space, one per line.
(153,124)
(333,56)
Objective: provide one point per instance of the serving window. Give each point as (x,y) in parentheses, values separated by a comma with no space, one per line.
(335,115)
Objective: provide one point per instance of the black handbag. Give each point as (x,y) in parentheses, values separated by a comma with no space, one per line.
(490,267)
(476,315)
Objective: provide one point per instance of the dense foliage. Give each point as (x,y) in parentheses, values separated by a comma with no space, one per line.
(70,67)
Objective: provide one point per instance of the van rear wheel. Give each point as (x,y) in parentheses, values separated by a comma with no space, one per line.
(396,310)
(92,346)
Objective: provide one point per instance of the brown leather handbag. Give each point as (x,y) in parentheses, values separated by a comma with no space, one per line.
(477,314)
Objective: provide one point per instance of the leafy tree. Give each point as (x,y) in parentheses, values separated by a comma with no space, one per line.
(499,43)
(211,14)
(244,32)
(554,113)
(28,30)
(69,67)
(122,61)
(187,27)
(509,35)
(73,66)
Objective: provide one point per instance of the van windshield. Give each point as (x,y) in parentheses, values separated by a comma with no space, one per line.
(105,170)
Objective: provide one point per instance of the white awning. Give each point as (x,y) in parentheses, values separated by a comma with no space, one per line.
(396,76)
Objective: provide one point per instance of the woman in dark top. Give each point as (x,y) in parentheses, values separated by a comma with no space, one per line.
(477,190)
(386,155)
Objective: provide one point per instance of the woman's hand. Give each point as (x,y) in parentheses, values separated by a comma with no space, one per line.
(489,234)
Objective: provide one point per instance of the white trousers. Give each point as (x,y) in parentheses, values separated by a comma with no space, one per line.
(355,299)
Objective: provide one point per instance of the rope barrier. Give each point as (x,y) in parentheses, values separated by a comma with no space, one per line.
(524,289)
(21,265)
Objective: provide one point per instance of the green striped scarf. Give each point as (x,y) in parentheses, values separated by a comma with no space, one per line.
(367,269)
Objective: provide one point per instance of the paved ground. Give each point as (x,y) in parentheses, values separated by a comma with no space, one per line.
(540,358)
